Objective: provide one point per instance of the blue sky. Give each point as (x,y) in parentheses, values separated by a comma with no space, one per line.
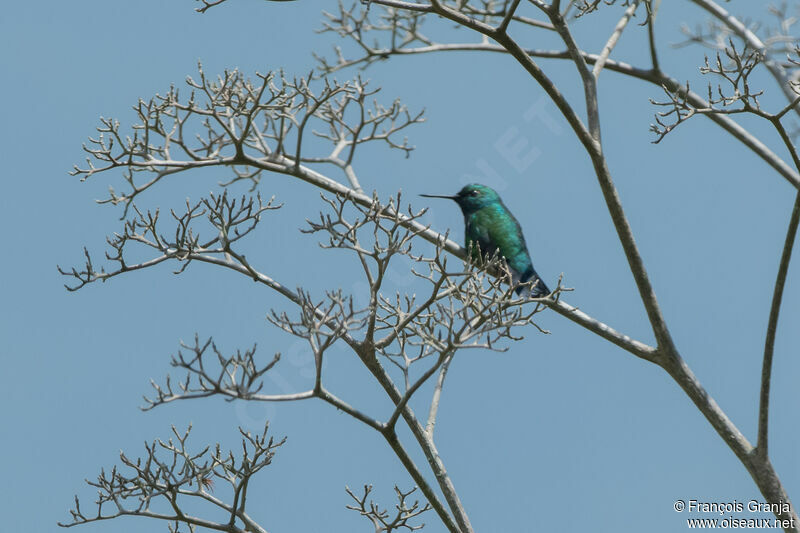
(560,428)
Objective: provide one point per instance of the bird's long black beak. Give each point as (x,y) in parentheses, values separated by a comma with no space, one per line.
(439,196)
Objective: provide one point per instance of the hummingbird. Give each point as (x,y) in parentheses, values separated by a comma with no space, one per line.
(491,228)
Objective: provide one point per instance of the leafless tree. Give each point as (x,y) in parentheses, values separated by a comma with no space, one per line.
(303,127)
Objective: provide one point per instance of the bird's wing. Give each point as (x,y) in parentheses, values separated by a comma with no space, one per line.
(504,230)
(506,233)
(478,232)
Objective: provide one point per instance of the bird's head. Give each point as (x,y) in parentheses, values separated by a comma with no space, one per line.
(471,198)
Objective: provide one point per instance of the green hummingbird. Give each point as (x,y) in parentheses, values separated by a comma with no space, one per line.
(491,228)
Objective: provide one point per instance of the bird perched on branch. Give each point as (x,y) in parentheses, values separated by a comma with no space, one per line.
(491,228)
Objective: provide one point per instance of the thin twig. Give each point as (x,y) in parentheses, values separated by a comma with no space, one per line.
(614,38)
(652,11)
(503,26)
(772,326)
(433,412)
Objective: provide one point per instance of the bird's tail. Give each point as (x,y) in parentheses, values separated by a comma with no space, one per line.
(537,288)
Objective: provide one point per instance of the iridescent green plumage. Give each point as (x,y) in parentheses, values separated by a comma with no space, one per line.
(491,228)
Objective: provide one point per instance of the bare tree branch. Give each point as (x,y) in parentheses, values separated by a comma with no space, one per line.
(380,518)
(240,120)
(751,40)
(171,473)
(394,25)
(734,95)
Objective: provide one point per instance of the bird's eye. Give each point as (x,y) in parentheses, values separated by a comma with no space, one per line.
(475,193)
